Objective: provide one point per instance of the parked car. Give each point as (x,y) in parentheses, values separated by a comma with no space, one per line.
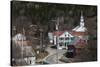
(71,52)
(44,62)
(54,47)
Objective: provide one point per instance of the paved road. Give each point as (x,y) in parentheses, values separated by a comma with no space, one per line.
(54,55)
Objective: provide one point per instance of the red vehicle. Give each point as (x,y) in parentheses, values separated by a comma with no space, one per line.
(71,52)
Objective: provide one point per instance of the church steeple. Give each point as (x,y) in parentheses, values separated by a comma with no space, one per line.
(82,20)
(81,27)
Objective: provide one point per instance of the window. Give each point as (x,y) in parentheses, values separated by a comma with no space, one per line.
(72,38)
(66,43)
(30,61)
(60,44)
(66,38)
(61,38)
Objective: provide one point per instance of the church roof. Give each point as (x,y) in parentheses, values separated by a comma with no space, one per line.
(79,33)
(27,51)
(60,33)
(80,29)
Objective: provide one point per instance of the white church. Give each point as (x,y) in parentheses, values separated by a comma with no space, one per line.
(78,35)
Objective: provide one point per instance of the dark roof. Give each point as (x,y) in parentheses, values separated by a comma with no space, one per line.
(58,33)
(27,52)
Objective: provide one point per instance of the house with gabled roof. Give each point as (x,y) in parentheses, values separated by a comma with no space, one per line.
(62,38)
(22,51)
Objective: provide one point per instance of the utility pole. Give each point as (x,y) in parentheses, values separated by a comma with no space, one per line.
(41,39)
(23,31)
(57,38)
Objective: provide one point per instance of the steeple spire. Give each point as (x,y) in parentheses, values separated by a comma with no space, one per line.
(57,23)
(81,27)
(82,19)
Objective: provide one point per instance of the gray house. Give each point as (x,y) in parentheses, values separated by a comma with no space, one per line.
(22,53)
